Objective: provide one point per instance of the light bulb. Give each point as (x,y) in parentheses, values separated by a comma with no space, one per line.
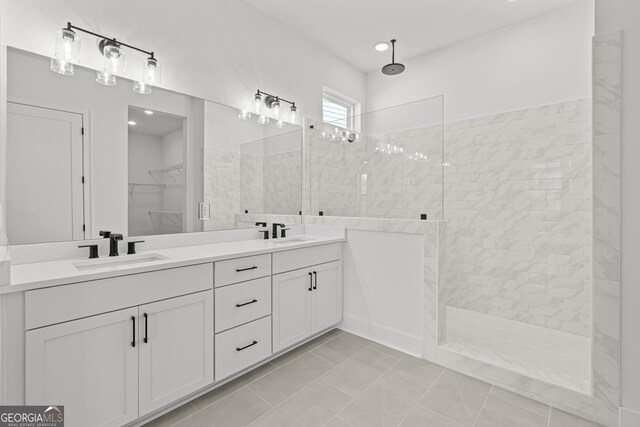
(280,124)
(105,78)
(244,115)
(113,58)
(152,72)
(141,88)
(263,120)
(61,67)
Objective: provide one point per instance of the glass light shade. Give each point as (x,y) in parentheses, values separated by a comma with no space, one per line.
(105,78)
(258,103)
(244,115)
(280,124)
(141,88)
(113,59)
(294,115)
(152,72)
(61,67)
(263,120)
(67,46)
(276,109)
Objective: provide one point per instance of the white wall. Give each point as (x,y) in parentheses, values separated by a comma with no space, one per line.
(540,61)
(222,50)
(613,15)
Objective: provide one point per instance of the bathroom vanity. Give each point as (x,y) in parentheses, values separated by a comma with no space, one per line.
(120,341)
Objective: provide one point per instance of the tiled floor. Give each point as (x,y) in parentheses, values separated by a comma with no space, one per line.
(341,380)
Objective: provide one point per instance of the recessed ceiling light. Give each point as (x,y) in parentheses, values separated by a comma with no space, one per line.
(131,123)
(381,46)
(148,112)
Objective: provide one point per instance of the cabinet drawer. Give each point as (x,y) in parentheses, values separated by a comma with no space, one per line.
(305,257)
(242,303)
(62,303)
(242,269)
(241,347)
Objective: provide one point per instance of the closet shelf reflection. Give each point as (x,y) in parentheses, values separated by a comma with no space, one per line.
(174,217)
(138,187)
(173,172)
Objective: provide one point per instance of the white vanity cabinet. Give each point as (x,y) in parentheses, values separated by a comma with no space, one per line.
(306,300)
(112,368)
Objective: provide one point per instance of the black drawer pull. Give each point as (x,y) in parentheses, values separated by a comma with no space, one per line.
(246,303)
(247,346)
(146,332)
(310,281)
(238,270)
(315,283)
(133,341)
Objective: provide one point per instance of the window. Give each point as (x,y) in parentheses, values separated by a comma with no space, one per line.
(338,110)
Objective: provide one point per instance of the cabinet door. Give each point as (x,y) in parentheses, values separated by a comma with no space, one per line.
(89,365)
(327,295)
(291,308)
(176,349)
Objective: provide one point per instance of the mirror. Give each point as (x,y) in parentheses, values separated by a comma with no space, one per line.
(83,157)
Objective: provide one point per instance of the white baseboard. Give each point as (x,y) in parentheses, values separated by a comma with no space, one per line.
(389,337)
(629,418)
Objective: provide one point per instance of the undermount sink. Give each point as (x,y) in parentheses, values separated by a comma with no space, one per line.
(290,240)
(115,263)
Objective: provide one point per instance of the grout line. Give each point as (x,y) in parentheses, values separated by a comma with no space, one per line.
(422,397)
(346,422)
(483,403)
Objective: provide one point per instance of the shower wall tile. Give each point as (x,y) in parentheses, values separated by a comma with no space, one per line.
(282,177)
(518,209)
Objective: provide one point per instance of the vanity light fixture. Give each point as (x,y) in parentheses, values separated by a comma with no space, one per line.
(274,102)
(263,120)
(244,115)
(67,53)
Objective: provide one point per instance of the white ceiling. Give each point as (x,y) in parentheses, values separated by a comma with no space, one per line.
(349,28)
(157,124)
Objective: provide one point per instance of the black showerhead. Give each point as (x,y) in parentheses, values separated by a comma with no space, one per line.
(393,68)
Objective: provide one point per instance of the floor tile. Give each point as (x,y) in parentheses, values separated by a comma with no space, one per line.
(387,350)
(457,397)
(313,406)
(336,422)
(506,409)
(237,409)
(228,388)
(358,372)
(279,385)
(341,347)
(170,418)
(304,348)
(424,417)
(419,371)
(385,403)
(564,419)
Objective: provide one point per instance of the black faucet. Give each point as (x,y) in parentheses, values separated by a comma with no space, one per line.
(274,230)
(113,244)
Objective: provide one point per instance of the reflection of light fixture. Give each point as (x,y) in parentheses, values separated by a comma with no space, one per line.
(280,124)
(105,78)
(141,88)
(148,112)
(131,123)
(258,102)
(67,52)
(263,120)
(294,113)
(244,115)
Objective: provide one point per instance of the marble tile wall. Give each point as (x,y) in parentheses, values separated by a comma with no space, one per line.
(282,183)
(518,210)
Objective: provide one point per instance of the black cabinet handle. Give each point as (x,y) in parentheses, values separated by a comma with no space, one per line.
(238,270)
(146,332)
(315,276)
(246,303)
(310,281)
(133,342)
(247,346)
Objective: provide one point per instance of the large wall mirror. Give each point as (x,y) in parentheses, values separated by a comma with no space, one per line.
(83,157)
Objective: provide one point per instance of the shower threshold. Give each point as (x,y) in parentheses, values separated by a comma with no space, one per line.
(554,357)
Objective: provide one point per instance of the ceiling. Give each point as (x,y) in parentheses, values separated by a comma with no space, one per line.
(349,28)
(157,124)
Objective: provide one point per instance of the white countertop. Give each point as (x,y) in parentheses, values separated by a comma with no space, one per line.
(52,273)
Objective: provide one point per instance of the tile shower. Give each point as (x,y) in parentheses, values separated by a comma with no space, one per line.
(509,279)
